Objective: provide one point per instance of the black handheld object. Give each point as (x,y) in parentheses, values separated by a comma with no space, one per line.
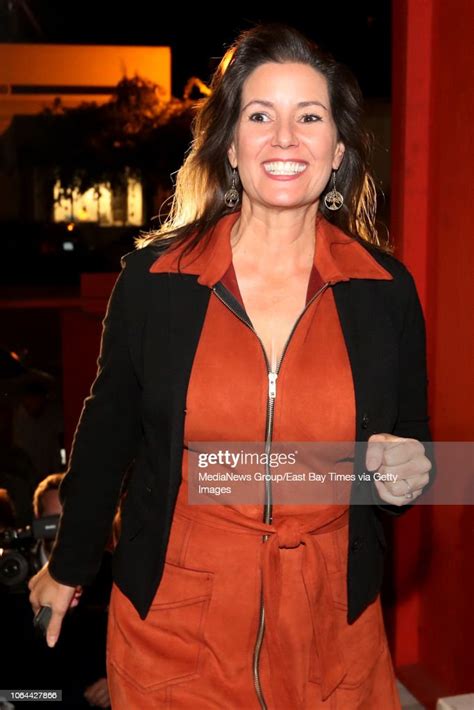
(42,619)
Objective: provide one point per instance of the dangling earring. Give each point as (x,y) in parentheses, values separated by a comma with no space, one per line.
(232,197)
(333,199)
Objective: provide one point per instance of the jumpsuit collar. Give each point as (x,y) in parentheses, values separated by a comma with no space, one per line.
(337,257)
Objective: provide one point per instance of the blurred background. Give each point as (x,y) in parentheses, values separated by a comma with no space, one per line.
(96,102)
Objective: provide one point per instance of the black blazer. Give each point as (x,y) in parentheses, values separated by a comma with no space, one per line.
(135,414)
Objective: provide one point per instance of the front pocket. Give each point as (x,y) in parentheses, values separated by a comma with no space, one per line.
(361,644)
(165,648)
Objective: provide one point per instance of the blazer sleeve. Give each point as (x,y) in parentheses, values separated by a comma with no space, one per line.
(105,442)
(413,419)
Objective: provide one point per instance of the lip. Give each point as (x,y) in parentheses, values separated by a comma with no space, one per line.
(283,178)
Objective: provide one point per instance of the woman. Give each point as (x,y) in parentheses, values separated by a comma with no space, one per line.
(271,316)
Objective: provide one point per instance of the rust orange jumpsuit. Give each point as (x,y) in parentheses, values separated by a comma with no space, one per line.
(197,646)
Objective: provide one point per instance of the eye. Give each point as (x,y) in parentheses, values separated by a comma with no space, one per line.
(310,118)
(259,117)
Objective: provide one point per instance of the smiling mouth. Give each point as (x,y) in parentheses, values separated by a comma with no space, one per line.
(281,167)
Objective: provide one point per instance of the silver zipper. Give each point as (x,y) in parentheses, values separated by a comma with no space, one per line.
(268,506)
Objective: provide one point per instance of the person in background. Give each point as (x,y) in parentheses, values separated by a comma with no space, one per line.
(17,472)
(77,665)
(7,511)
(38,426)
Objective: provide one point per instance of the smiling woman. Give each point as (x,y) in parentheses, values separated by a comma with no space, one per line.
(286,142)
(262,311)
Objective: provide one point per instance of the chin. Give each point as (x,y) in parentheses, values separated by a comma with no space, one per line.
(286,204)
(285,200)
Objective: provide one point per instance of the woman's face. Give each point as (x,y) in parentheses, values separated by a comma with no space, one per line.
(285,144)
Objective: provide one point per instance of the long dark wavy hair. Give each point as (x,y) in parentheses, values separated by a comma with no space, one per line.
(205,176)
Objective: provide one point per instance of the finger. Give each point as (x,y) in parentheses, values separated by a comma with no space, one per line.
(402,488)
(96,697)
(102,698)
(411,476)
(91,690)
(106,701)
(374,455)
(413,484)
(399,452)
(376,446)
(387,497)
(54,628)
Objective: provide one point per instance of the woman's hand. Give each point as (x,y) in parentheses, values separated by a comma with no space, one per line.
(402,466)
(45,591)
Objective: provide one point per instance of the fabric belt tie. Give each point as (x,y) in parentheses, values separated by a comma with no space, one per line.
(291,533)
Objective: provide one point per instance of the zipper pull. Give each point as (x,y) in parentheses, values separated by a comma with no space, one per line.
(272,387)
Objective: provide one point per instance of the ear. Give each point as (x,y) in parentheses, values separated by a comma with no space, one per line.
(232,155)
(338,155)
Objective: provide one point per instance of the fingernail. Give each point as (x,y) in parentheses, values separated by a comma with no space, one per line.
(52,641)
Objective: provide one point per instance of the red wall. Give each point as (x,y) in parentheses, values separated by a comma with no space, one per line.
(433,212)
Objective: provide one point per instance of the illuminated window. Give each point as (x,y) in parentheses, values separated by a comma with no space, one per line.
(135,202)
(100,204)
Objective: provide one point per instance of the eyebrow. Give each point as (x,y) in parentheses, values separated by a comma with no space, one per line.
(269,104)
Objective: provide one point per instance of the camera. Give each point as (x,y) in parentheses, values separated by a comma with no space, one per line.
(20,555)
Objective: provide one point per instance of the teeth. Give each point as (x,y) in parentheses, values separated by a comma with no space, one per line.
(281,167)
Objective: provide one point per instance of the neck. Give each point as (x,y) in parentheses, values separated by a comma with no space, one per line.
(280,240)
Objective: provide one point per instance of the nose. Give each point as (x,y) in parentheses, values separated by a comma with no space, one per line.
(284,135)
